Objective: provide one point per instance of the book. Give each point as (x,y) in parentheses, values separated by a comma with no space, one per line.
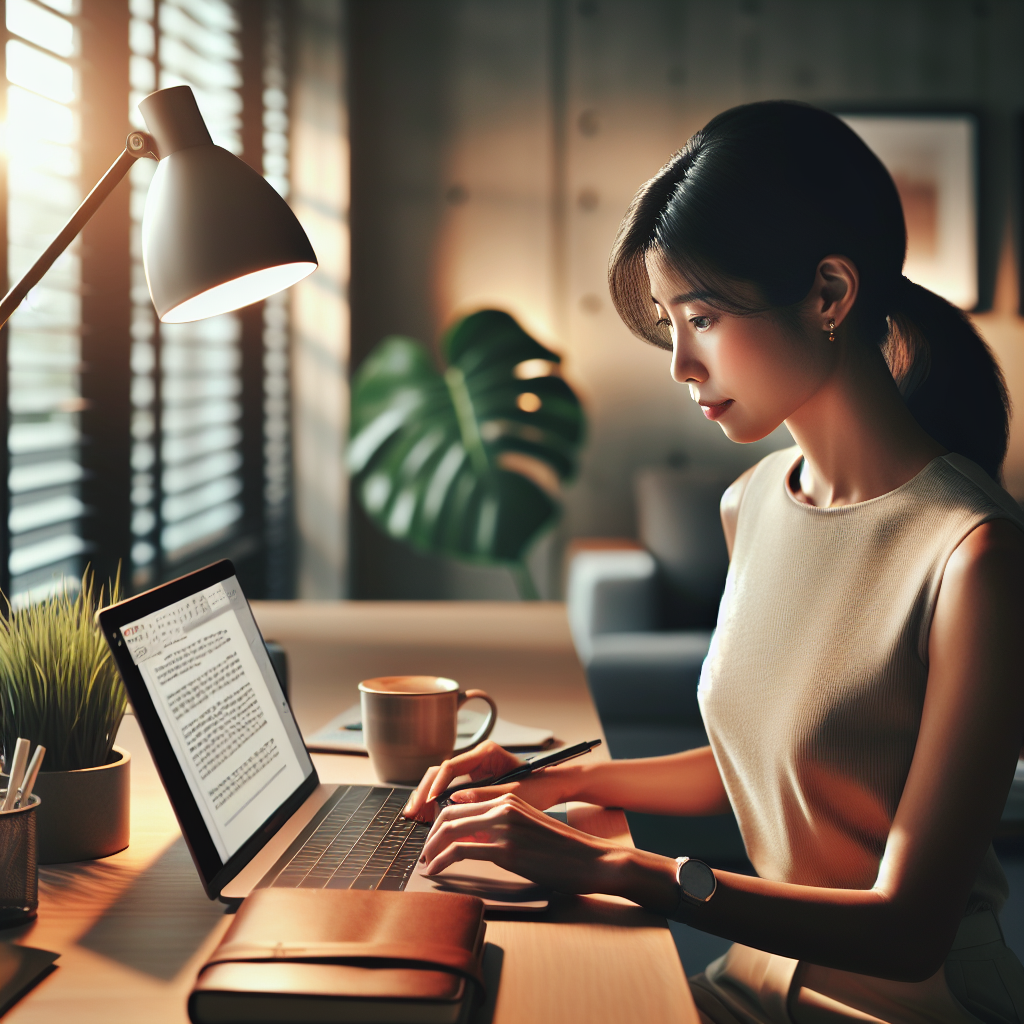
(343,733)
(341,956)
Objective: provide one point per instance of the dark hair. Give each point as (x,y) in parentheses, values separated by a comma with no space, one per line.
(761,195)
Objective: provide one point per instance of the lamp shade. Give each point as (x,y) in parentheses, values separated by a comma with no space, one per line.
(215,234)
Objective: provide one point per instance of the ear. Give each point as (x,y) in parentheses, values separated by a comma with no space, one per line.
(835,289)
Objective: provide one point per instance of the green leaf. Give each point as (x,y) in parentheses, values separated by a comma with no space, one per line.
(442,458)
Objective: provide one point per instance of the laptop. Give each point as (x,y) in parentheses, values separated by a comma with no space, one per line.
(247,796)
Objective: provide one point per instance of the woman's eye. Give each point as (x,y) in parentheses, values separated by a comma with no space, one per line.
(701,323)
(663,322)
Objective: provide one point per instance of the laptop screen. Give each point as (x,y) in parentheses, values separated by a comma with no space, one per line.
(214,704)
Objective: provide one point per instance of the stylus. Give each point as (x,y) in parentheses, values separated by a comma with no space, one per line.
(528,768)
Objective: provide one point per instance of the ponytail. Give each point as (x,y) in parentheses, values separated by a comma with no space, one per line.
(947,376)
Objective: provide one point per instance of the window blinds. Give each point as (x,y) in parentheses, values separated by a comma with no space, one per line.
(186,387)
(44,353)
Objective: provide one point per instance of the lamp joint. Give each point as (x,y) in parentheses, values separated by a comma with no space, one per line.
(142,144)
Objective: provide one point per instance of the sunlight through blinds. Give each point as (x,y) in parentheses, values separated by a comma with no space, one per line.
(277,487)
(44,392)
(186,390)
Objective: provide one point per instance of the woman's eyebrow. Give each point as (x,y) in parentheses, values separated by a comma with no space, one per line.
(680,300)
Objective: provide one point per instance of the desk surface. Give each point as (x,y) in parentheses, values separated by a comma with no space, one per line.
(133,929)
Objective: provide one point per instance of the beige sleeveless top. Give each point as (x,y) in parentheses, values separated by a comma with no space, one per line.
(813,688)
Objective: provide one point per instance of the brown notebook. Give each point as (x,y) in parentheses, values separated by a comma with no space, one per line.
(345,955)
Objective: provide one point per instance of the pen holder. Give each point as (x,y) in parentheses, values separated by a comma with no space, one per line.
(19,874)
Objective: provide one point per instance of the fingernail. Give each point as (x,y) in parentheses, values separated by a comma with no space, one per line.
(408,807)
(462,797)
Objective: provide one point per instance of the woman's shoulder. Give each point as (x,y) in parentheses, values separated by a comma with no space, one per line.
(770,465)
(990,553)
(961,482)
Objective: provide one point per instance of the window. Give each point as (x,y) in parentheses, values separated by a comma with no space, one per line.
(187,412)
(277,493)
(208,470)
(44,335)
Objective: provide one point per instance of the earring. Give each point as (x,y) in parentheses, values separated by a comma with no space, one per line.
(831,330)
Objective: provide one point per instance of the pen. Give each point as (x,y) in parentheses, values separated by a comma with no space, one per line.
(25,789)
(528,768)
(17,775)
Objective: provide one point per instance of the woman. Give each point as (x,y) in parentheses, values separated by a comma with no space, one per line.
(862,694)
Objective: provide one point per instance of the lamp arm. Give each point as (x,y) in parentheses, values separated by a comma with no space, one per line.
(139,145)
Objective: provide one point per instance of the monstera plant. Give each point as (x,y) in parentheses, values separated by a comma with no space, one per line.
(465,460)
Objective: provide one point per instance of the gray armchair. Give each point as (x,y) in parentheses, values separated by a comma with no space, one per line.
(641,618)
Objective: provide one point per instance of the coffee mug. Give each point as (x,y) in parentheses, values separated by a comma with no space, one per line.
(409,723)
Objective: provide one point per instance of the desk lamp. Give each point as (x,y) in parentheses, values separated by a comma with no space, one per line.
(215,234)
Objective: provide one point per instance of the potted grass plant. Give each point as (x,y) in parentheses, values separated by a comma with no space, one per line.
(59,687)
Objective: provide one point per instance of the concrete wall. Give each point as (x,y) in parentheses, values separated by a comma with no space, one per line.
(496,144)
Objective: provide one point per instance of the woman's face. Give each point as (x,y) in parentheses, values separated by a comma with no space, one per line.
(748,373)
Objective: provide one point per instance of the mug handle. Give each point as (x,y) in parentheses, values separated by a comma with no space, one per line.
(485,730)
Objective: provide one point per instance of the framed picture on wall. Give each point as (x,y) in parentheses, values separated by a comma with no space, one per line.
(933,159)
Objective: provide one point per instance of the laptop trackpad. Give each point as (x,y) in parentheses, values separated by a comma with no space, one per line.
(498,888)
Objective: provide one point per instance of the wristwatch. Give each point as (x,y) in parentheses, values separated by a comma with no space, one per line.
(697,882)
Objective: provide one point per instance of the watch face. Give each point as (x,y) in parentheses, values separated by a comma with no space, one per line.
(696,880)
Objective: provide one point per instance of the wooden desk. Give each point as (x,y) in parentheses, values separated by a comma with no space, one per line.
(133,929)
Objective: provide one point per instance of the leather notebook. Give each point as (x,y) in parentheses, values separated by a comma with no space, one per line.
(345,955)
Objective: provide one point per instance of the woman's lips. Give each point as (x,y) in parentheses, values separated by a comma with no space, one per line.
(715,411)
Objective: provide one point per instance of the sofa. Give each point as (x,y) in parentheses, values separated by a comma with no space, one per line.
(641,615)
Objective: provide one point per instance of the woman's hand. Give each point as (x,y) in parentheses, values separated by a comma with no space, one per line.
(515,835)
(486,761)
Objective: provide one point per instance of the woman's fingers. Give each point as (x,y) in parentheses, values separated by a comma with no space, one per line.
(541,790)
(455,823)
(482,796)
(486,833)
(494,822)
(455,812)
(521,839)
(417,805)
(464,851)
(484,761)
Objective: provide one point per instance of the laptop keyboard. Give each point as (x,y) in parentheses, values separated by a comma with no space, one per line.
(360,842)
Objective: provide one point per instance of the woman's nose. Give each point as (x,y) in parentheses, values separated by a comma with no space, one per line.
(685,367)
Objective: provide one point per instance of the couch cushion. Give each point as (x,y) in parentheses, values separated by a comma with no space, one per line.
(647,677)
(680,524)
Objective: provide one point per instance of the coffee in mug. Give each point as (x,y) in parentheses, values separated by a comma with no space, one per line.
(409,723)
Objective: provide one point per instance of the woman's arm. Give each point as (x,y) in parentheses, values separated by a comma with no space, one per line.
(902,928)
(682,784)
(685,784)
